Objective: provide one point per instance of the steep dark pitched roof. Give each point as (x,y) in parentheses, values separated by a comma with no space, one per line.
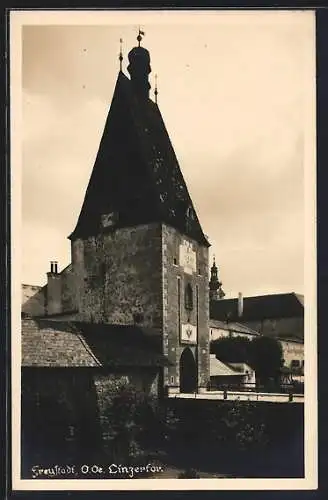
(74,344)
(280,305)
(136,176)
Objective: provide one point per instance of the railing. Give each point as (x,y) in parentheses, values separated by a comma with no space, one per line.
(253,387)
(233,394)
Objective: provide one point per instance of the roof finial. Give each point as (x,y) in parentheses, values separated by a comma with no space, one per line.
(213,259)
(120,55)
(140,35)
(156,91)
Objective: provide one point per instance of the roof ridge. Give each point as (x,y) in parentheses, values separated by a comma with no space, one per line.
(246,327)
(87,348)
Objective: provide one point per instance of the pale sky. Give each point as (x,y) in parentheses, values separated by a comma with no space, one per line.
(232,93)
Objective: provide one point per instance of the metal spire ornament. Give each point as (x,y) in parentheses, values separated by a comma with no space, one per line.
(140,35)
(120,55)
(156,91)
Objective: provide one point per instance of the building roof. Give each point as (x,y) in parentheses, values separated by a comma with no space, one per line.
(32,288)
(47,343)
(295,340)
(218,368)
(280,305)
(136,177)
(232,327)
(241,368)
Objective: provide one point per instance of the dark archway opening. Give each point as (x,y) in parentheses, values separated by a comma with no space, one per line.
(188,372)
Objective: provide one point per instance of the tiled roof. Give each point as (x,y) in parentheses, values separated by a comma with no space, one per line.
(280,305)
(75,344)
(136,175)
(54,344)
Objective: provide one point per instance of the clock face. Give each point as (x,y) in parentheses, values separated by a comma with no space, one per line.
(187,257)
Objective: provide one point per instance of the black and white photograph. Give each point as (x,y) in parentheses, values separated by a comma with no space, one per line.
(163,187)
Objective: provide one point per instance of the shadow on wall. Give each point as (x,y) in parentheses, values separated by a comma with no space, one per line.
(60,418)
(33,300)
(80,415)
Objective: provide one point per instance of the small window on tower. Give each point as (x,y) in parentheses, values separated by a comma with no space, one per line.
(188,297)
(175,261)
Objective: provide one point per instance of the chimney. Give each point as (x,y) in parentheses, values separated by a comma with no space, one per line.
(53,267)
(53,298)
(240,304)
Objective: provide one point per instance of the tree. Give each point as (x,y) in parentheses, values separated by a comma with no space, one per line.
(232,349)
(266,358)
(263,354)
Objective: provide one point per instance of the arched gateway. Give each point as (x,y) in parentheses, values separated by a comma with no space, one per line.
(188,372)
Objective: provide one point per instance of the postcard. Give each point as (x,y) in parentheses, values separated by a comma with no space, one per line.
(163,187)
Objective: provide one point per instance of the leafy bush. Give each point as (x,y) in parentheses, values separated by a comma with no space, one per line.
(128,415)
(246,427)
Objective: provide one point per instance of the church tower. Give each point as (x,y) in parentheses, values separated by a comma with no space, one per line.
(215,286)
(139,255)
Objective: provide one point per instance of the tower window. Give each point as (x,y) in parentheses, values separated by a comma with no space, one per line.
(188,297)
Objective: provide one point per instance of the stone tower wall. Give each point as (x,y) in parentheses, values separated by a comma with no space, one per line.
(175,315)
(118,276)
